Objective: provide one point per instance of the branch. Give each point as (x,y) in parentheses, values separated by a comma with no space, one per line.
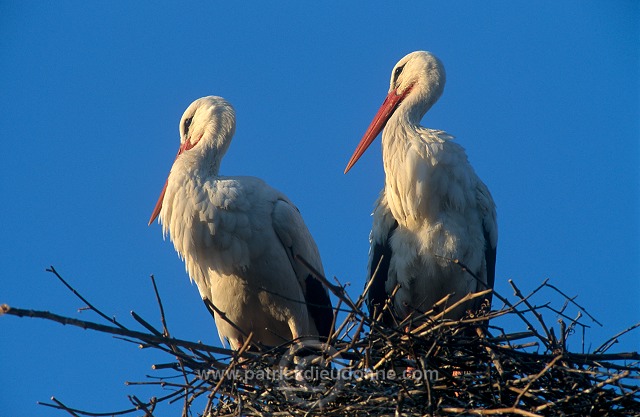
(121,331)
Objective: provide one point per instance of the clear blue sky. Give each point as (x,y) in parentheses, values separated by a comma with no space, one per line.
(544,97)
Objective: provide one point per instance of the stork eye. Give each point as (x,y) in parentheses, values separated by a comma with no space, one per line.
(187,124)
(397,73)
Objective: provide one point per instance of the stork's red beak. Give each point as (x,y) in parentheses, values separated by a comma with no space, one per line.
(156,210)
(389,105)
(158,207)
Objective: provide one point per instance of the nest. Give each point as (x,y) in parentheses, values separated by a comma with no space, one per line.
(425,365)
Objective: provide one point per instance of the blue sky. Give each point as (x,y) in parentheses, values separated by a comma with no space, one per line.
(544,97)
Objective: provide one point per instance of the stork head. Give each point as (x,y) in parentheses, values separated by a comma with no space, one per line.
(208,123)
(417,82)
(206,129)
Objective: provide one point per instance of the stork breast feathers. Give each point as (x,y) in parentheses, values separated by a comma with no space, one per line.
(214,221)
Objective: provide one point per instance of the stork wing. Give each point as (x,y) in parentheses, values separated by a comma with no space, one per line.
(490,230)
(295,237)
(380,258)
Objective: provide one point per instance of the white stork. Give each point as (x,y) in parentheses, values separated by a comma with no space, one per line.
(433,208)
(239,238)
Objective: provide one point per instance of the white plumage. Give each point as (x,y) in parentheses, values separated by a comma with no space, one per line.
(433,208)
(239,237)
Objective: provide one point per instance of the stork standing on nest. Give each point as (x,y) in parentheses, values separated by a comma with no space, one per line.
(239,239)
(433,209)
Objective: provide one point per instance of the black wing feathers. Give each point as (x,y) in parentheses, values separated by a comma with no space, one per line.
(490,260)
(319,306)
(379,273)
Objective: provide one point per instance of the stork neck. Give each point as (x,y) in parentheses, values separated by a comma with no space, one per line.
(396,139)
(409,155)
(201,161)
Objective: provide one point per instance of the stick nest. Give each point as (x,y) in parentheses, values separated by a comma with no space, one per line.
(425,365)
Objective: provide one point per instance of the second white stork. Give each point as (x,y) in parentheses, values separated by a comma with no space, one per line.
(239,239)
(433,209)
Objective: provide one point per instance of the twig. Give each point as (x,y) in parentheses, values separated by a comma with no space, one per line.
(163,319)
(572,301)
(606,345)
(492,412)
(84,300)
(224,317)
